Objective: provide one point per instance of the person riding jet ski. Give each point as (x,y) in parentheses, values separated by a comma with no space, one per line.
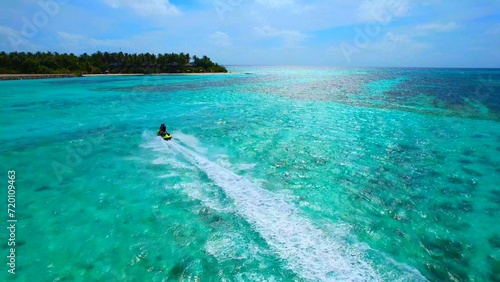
(163,132)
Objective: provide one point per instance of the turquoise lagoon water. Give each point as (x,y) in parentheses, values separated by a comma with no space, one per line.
(274,174)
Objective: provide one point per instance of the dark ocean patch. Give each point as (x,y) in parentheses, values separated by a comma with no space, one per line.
(494,241)
(30,104)
(454,179)
(465,161)
(432,173)
(449,259)
(494,265)
(495,195)
(486,161)
(471,172)
(465,206)
(468,152)
(42,188)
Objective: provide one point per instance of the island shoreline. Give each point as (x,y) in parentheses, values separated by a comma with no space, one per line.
(33,76)
(47,76)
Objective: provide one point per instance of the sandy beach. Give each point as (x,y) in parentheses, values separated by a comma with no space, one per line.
(154,74)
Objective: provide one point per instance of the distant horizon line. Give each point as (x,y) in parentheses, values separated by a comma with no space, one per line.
(333,66)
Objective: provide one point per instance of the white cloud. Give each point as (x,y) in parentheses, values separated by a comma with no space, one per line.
(390,49)
(402,45)
(220,38)
(437,27)
(7,31)
(146,7)
(285,6)
(383,10)
(16,40)
(396,38)
(291,37)
(393,43)
(79,41)
(276,3)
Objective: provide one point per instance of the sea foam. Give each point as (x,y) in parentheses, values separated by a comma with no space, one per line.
(306,249)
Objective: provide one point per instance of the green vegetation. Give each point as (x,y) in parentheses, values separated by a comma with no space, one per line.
(97,63)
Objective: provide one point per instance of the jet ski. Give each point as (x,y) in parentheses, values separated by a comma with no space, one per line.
(167,136)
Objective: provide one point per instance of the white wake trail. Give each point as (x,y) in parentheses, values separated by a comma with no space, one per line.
(306,250)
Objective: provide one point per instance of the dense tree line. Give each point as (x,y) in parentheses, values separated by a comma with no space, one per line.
(103,62)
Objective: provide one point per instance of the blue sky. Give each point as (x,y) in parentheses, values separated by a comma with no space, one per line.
(438,33)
